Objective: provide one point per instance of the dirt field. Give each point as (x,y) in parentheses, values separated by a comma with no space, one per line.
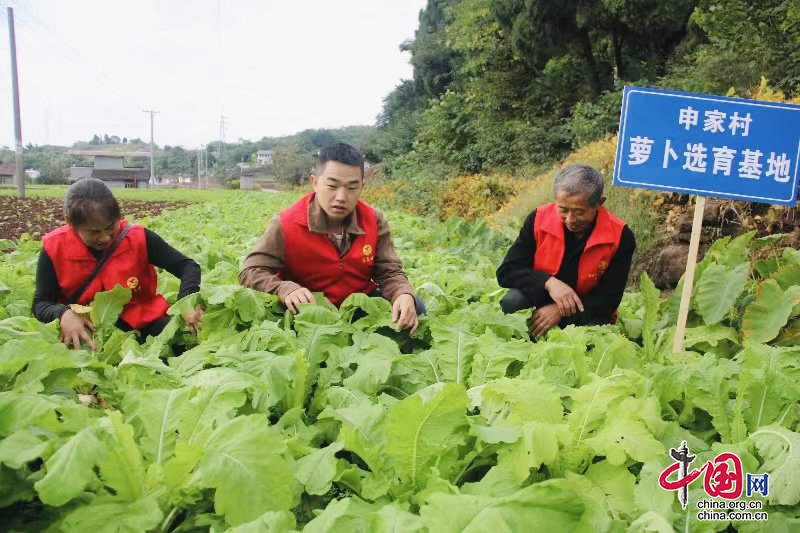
(37,215)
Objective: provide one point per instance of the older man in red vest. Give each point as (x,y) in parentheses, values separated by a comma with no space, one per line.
(571,259)
(331,242)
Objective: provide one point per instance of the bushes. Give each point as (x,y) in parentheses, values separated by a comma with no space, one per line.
(592,121)
(476,197)
(469,197)
(416,198)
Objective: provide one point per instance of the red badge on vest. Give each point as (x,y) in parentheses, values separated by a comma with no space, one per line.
(133,284)
(367,253)
(602,265)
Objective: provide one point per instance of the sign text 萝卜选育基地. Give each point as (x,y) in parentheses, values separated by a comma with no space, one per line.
(709,145)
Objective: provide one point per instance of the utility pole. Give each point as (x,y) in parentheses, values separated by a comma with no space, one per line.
(201,166)
(152,149)
(19,174)
(205,164)
(221,139)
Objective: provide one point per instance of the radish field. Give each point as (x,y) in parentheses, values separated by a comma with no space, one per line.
(312,422)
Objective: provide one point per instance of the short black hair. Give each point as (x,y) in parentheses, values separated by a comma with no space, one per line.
(341,153)
(87,198)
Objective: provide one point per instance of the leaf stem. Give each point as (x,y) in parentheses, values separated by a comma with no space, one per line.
(165,525)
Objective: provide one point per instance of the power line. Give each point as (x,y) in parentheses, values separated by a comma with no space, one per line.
(53,43)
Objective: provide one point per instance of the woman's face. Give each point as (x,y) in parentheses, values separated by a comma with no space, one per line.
(97,232)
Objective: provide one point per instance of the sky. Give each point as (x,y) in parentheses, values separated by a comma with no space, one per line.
(269,67)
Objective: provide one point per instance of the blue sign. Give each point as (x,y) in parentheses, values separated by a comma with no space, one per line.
(709,145)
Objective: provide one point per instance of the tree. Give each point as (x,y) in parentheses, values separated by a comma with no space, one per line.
(737,43)
(432,59)
(53,167)
(291,165)
(496,82)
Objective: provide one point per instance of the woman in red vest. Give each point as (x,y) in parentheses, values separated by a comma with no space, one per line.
(331,242)
(70,255)
(571,259)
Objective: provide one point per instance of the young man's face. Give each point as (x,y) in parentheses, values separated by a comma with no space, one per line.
(576,212)
(338,187)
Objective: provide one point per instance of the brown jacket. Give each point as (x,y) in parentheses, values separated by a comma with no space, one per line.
(261,267)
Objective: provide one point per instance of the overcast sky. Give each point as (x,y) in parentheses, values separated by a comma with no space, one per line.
(271,67)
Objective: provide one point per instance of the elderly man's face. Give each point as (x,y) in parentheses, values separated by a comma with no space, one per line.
(576,212)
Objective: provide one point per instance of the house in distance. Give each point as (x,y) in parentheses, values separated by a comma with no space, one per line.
(7,172)
(110,167)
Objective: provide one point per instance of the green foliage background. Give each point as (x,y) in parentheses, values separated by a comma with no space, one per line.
(506,83)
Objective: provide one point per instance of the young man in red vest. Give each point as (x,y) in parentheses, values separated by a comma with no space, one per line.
(571,259)
(331,242)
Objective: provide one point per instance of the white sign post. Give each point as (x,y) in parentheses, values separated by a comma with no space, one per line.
(688,275)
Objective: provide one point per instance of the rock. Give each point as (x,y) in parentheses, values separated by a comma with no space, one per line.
(710,216)
(685,223)
(794,239)
(686,237)
(711,213)
(669,266)
(732,228)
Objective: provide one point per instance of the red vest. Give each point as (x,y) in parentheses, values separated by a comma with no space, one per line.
(548,231)
(313,261)
(129,266)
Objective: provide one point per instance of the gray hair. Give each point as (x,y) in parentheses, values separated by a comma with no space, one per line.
(579,179)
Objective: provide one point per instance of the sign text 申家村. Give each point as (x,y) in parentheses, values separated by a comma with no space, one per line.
(709,145)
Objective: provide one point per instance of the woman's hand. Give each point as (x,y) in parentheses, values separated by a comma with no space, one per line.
(193,319)
(73,329)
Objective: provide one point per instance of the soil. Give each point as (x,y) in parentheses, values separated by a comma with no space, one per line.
(37,216)
(666,262)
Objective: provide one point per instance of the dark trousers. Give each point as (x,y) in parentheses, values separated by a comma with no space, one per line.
(514,301)
(148,330)
(152,329)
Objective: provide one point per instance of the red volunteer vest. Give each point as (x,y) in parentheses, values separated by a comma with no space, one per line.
(602,245)
(313,261)
(129,266)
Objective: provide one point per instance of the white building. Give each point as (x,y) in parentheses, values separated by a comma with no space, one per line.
(264,158)
(110,167)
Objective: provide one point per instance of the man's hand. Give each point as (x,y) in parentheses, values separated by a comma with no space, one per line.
(193,318)
(404,312)
(563,296)
(73,329)
(299,296)
(543,319)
